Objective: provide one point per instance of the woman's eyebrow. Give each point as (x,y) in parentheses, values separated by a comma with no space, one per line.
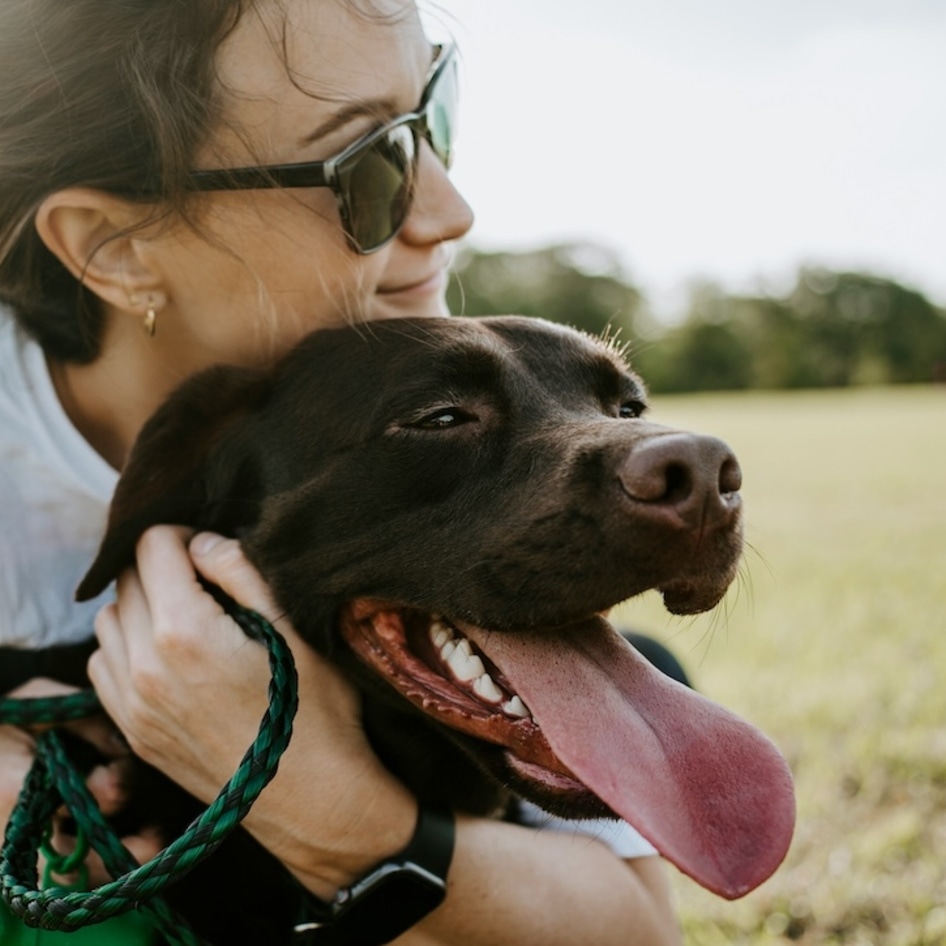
(373,108)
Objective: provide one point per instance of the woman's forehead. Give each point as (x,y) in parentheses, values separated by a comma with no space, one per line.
(291,66)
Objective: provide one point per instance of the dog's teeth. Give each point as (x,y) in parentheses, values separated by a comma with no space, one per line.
(486,689)
(465,667)
(515,707)
(464,645)
(447,649)
(440,633)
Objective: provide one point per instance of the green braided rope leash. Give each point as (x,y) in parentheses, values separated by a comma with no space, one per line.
(53,781)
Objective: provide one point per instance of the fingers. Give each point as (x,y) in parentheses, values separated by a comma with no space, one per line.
(162,593)
(143,846)
(101,733)
(165,575)
(165,591)
(109,785)
(107,782)
(170,658)
(97,730)
(162,621)
(222,562)
(39,687)
(16,756)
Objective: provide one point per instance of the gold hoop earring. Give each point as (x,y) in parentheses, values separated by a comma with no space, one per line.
(151,316)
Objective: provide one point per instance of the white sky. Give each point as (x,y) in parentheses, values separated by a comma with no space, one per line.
(727,139)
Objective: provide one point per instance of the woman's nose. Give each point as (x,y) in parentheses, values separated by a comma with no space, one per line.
(439,213)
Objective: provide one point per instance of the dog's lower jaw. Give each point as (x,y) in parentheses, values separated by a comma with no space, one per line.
(557,794)
(696,592)
(685,597)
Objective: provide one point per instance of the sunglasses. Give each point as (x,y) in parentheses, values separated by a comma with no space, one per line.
(374,178)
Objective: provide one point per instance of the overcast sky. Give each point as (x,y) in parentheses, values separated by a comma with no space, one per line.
(732,139)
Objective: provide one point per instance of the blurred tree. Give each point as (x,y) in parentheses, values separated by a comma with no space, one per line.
(883,324)
(832,329)
(698,356)
(771,332)
(706,353)
(575,284)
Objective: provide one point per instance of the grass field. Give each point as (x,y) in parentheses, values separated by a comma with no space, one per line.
(834,643)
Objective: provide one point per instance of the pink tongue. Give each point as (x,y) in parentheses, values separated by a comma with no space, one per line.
(708,790)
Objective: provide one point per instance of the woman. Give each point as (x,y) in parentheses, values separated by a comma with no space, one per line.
(132,272)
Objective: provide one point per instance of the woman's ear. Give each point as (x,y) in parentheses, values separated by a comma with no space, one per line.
(87,230)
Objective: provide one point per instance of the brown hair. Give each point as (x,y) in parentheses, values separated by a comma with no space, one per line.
(116,95)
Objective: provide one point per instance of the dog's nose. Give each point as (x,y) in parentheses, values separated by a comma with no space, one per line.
(698,476)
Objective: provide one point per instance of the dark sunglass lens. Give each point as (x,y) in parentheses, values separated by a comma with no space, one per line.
(378,186)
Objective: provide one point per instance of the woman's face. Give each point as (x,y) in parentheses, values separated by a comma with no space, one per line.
(268,266)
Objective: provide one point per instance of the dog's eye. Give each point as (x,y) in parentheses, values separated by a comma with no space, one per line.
(631,409)
(442,419)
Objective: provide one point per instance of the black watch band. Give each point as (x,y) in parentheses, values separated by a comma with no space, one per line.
(394,896)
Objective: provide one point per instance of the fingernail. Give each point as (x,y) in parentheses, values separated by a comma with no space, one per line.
(205,542)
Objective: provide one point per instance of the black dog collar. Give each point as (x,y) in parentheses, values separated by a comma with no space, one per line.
(398,893)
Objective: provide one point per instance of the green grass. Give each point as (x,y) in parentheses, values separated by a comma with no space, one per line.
(834,643)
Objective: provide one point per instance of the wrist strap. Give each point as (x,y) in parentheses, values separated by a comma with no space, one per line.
(391,898)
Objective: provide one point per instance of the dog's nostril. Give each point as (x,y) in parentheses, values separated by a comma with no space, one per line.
(658,473)
(730,476)
(678,483)
(694,474)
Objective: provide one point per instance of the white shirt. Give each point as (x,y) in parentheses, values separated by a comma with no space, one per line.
(54,495)
(617,835)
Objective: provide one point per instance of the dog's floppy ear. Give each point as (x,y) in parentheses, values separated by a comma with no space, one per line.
(187,467)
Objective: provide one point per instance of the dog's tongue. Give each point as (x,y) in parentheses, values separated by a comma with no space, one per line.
(708,790)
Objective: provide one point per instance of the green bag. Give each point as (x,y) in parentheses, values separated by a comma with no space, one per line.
(128,929)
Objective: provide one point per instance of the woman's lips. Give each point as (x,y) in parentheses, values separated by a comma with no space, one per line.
(432,284)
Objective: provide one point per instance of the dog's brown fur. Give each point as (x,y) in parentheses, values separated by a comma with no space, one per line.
(497,471)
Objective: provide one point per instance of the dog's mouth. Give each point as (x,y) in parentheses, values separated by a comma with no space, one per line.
(439,669)
(579,712)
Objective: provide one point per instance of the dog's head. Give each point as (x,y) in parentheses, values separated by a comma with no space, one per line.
(458,501)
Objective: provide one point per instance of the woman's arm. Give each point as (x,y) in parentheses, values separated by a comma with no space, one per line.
(188,689)
(512,885)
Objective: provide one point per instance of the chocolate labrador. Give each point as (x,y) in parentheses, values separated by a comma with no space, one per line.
(447,508)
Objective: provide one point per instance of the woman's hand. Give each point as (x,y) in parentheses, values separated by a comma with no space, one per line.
(107,781)
(188,689)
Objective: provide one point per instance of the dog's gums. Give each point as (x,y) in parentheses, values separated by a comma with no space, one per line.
(437,669)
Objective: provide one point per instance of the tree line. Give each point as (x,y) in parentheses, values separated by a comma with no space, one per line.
(830,329)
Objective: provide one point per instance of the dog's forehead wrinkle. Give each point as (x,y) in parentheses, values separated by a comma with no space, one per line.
(461,357)
(579,364)
(458,376)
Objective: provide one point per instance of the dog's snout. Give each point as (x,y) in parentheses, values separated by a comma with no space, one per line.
(698,476)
